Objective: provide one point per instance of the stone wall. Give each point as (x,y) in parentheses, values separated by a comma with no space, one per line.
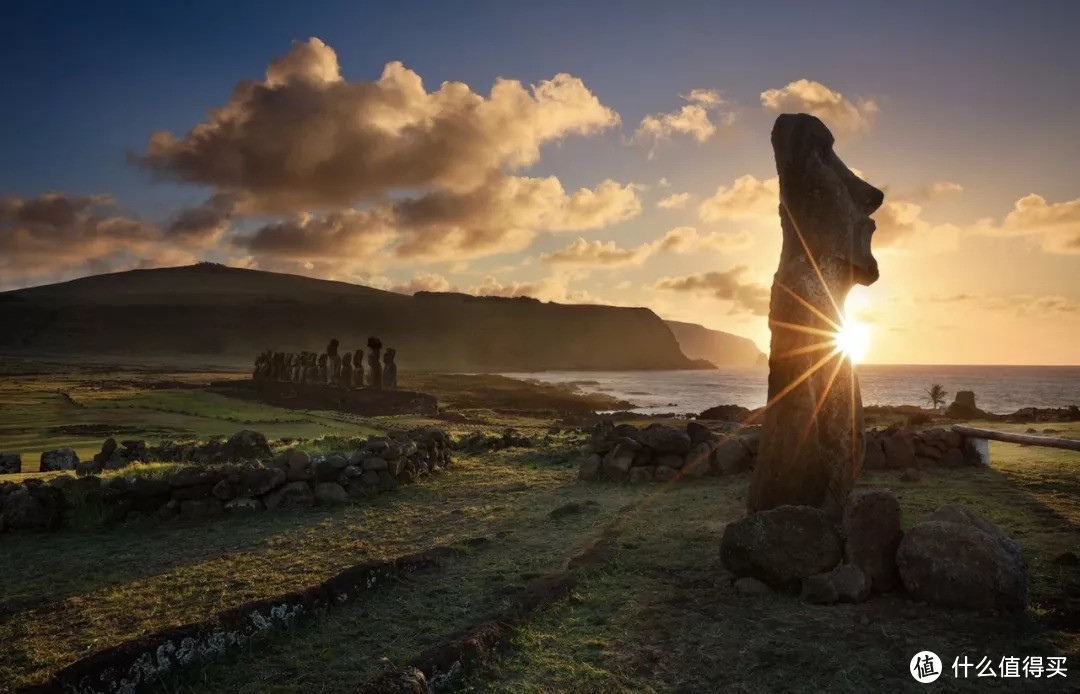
(662,453)
(292,479)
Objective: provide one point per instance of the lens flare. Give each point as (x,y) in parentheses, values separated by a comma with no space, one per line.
(853,339)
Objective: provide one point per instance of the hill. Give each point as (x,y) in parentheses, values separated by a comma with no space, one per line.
(227,315)
(722,349)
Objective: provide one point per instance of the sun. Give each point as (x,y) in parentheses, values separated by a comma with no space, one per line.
(853,339)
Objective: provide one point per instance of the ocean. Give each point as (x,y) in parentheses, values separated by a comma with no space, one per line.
(998,389)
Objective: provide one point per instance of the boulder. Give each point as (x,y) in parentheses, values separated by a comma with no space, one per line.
(731,457)
(59,459)
(326,471)
(874,458)
(387,482)
(725,413)
(10,463)
(223,490)
(370,478)
(108,447)
(290,496)
(194,476)
(782,545)
(665,439)
(954,457)
(330,493)
(617,463)
(33,507)
(955,558)
(872,534)
(256,481)
(899,450)
(89,467)
(698,432)
(663,473)
(376,464)
(246,444)
(752,588)
(671,460)
(590,467)
(697,461)
(641,474)
(845,583)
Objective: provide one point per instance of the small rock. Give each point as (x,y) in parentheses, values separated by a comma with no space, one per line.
(290,496)
(246,444)
(910,475)
(819,590)
(663,473)
(640,475)
(590,468)
(330,493)
(1066,559)
(10,463)
(243,505)
(223,490)
(872,531)
(376,464)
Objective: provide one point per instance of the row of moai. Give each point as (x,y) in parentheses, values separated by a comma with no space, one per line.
(330,368)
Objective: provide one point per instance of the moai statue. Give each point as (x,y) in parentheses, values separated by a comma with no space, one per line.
(321,374)
(311,368)
(279,366)
(345,381)
(812,440)
(374,367)
(334,367)
(288,367)
(259,372)
(389,372)
(358,369)
(297,368)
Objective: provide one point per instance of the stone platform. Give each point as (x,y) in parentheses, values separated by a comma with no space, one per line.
(365,401)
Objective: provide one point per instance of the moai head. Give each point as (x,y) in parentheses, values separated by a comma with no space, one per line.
(346,361)
(374,344)
(389,354)
(358,357)
(331,349)
(821,199)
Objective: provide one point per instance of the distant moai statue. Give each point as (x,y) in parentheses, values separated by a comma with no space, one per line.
(358,369)
(279,366)
(334,366)
(389,373)
(346,371)
(374,366)
(311,368)
(262,366)
(297,368)
(321,375)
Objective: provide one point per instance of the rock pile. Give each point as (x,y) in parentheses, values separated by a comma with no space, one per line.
(901,449)
(479,443)
(243,445)
(291,480)
(953,557)
(10,463)
(661,453)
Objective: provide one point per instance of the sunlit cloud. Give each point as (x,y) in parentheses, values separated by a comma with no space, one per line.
(699,118)
(675,201)
(747,198)
(843,116)
(729,285)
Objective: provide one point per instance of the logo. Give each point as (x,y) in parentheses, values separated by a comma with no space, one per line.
(925,667)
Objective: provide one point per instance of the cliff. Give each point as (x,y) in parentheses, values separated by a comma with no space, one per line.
(227,315)
(722,349)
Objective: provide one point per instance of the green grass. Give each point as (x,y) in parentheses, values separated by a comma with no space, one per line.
(660,616)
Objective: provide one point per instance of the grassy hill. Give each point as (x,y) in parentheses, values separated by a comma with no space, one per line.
(223,315)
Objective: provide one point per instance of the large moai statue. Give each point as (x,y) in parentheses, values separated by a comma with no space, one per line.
(345,381)
(358,369)
(812,439)
(389,372)
(374,366)
(320,376)
(334,365)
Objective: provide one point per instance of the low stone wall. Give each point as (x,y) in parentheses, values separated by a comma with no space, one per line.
(291,480)
(662,453)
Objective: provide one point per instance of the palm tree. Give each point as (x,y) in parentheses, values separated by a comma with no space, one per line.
(935,395)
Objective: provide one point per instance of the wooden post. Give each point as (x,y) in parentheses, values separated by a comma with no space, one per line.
(1028,439)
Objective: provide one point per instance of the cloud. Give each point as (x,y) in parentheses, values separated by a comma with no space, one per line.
(689,240)
(900,226)
(598,253)
(423,282)
(504,215)
(202,225)
(692,119)
(747,198)
(1056,224)
(807,96)
(937,189)
(54,234)
(748,297)
(675,201)
(1016,304)
(304,138)
(553,288)
(328,238)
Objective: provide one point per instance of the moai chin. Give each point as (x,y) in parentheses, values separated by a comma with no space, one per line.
(812,439)
(374,366)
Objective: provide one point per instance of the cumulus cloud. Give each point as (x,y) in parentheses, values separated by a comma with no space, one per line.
(423,282)
(747,198)
(900,226)
(202,225)
(689,240)
(1056,224)
(938,189)
(54,234)
(305,138)
(843,116)
(675,201)
(745,296)
(327,237)
(695,118)
(600,254)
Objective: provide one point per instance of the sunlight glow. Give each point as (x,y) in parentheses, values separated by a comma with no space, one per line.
(853,339)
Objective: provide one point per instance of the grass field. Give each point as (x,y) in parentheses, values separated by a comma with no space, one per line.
(659,616)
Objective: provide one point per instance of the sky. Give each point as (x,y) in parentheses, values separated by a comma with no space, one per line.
(595,152)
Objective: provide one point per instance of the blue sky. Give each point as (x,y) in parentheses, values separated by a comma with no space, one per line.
(978,93)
